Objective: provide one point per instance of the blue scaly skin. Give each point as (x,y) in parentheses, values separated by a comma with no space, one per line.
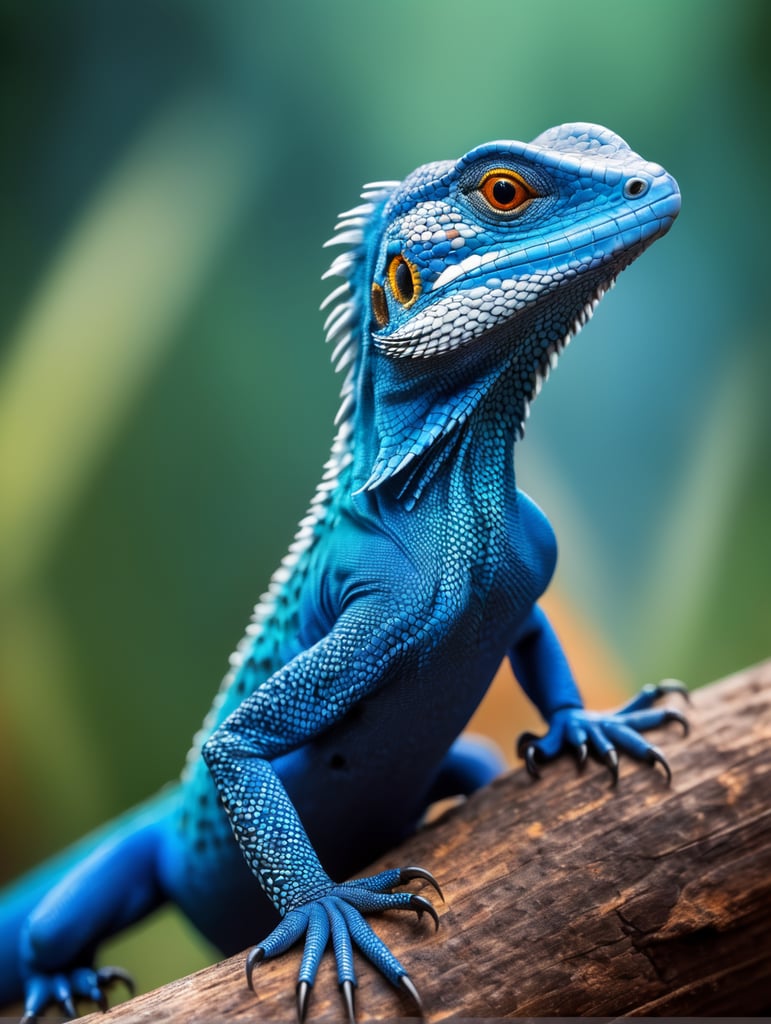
(415,572)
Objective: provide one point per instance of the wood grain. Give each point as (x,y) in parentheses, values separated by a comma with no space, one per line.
(565,897)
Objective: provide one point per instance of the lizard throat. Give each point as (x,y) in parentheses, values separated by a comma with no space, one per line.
(548,357)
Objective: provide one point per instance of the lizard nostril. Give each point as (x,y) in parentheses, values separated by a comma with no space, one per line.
(635,187)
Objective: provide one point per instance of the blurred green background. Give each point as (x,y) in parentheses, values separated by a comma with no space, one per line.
(169,171)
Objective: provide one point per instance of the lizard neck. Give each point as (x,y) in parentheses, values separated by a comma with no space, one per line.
(414,415)
(438,437)
(426,424)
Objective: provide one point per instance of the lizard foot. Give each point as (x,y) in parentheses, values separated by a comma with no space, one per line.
(605,733)
(63,988)
(338,915)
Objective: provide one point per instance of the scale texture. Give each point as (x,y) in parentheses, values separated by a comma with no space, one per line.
(417,569)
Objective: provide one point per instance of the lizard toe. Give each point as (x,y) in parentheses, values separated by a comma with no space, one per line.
(65,987)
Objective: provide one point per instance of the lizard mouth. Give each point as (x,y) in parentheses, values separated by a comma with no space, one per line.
(458,319)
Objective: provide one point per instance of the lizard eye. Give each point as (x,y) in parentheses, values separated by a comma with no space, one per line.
(404,280)
(505,191)
(379,305)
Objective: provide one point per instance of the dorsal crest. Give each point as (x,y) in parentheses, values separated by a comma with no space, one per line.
(343,324)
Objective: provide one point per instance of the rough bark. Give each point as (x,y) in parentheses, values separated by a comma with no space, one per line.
(565,897)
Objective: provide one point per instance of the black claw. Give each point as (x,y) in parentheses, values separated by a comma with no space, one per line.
(654,757)
(525,740)
(611,763)
(530,764)
(256,956)
(406,982)
(107,975)
(422,906)
(101,1001)
(671,715)
(68,1006)
(29,1018)
(582,753)
(673,686)
(347,988)
(408,874)
(303,992)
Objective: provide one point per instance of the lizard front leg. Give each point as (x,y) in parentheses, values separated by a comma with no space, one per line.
(311,693)
(542,669)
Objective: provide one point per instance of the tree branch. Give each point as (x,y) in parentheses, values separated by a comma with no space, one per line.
(568,898)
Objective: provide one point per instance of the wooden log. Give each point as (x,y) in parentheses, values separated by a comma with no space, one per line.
(565,897)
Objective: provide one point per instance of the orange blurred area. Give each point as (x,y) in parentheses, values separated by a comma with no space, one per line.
(604,683)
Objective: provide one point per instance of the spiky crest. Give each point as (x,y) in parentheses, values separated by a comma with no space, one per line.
(342,327)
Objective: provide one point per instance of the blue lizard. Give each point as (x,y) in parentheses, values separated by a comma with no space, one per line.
(415,572)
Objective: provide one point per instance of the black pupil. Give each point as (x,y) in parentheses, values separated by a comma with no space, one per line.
(403,281)
(504,192)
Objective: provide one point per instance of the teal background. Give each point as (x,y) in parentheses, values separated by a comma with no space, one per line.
(169,171)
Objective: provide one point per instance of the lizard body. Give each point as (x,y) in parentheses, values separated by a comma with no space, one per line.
(416,571)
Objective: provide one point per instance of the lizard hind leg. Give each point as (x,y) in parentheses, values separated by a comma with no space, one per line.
(471,762)
(115,885)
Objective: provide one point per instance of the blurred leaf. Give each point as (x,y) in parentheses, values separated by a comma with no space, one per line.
(104,315)
(699,522)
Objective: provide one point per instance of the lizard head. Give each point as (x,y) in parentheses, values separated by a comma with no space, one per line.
(484,268)
(468,247)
